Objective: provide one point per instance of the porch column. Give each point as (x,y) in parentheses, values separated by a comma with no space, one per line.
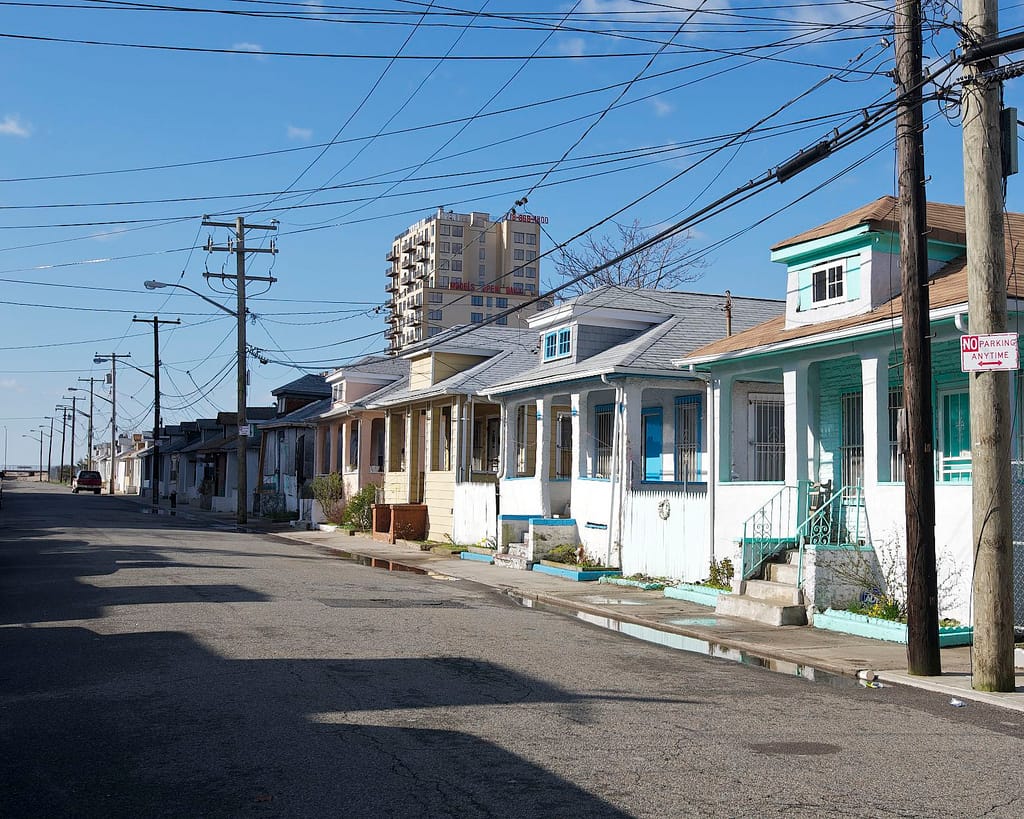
(576,414)
(543,463)
(875,395)
(797,420)
(505,440)
(411,451)
(632,434)
(458,436)
(722,388)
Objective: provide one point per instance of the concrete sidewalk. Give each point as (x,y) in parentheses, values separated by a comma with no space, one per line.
(652,616)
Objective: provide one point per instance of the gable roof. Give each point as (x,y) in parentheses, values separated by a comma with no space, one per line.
(946,223)
(304,416)
(315,385)
(947,290)
(694,320)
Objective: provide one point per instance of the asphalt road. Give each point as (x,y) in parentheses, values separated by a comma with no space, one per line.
(152,666)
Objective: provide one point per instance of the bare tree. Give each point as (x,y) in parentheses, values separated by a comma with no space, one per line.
(663,265)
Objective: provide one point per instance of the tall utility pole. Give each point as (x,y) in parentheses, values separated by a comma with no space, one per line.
(239,249)
(992,658)
(63,432)
(74,423)
(112,358)
(92,383)
(49,450)
(922,584)
(154,481)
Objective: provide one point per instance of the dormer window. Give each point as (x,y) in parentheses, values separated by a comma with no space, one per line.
(557,344)
(828,284)
(337,392)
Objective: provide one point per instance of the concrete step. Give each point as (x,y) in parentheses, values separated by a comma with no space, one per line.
(510,561)
(787,573)
(781,594)
(519,550)
(761,611)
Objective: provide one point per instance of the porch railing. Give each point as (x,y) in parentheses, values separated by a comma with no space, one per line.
(772,528)
(836,520)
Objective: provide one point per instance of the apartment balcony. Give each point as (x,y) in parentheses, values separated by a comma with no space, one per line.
(391,286)
(391,255)
(406,245)
(408,261)
(424,239)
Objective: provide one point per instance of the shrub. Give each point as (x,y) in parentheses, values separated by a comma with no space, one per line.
(358,510)
(329,491)
(720,574)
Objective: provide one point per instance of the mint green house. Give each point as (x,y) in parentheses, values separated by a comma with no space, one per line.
(806,417)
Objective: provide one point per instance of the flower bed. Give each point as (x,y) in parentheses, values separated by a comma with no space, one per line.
(891,631)
(627,581)
(574,572)
(695,593)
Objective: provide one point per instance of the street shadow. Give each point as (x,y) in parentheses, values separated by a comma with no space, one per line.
(44,579)
(156,724)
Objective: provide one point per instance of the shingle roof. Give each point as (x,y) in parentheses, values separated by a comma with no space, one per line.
(300,417)
(945,222)
(306,385)
(695,319)
(948,288)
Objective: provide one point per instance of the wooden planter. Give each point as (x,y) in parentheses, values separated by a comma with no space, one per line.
(399,521)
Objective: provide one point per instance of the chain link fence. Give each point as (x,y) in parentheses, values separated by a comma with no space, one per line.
(1017,492)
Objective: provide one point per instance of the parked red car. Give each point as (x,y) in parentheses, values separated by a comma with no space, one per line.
(87,480)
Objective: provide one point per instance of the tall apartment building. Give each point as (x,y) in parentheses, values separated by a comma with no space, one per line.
(460,268)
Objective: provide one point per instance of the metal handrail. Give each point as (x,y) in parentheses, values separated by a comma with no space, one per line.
(772,528)
(829,523)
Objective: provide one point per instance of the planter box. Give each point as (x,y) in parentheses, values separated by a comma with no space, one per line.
(863,626)
(695,593)
(399,521)
(635,584)
(476,556)
(571,572)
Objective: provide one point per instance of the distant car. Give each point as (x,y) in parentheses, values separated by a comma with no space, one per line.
(87,480)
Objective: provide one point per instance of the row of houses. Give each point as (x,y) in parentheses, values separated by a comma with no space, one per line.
(659,431)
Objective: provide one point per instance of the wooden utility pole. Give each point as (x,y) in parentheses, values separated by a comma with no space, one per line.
(239,249)
(154,472)
(992,657)
(92,396)
(922,594)
(112,358)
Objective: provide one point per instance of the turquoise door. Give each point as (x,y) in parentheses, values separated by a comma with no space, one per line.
(651,419)
(956,437)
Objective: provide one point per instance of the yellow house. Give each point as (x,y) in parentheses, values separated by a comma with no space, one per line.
(442,440)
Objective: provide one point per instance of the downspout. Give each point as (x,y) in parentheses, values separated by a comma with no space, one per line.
(613,518)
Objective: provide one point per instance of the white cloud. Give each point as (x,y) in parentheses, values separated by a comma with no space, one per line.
(300,134)
(255,48)
(662,108)
(11,384)
(573,46)
(13,126)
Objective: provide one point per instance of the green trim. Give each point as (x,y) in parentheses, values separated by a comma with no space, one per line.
(858,236)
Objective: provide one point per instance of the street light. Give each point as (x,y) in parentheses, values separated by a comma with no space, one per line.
(155,285)
(241,457)
(33,437)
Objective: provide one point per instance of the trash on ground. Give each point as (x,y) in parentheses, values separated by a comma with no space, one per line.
(957,703)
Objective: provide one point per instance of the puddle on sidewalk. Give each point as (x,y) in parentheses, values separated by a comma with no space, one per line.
(695,645)
(597,600)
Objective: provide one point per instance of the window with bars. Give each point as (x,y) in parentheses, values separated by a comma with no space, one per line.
(767,438)
(897,467)
(851,446)
(604,419)
(563,446)
(687,426)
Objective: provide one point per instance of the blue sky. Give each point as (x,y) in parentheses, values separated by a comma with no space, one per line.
(346,151)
